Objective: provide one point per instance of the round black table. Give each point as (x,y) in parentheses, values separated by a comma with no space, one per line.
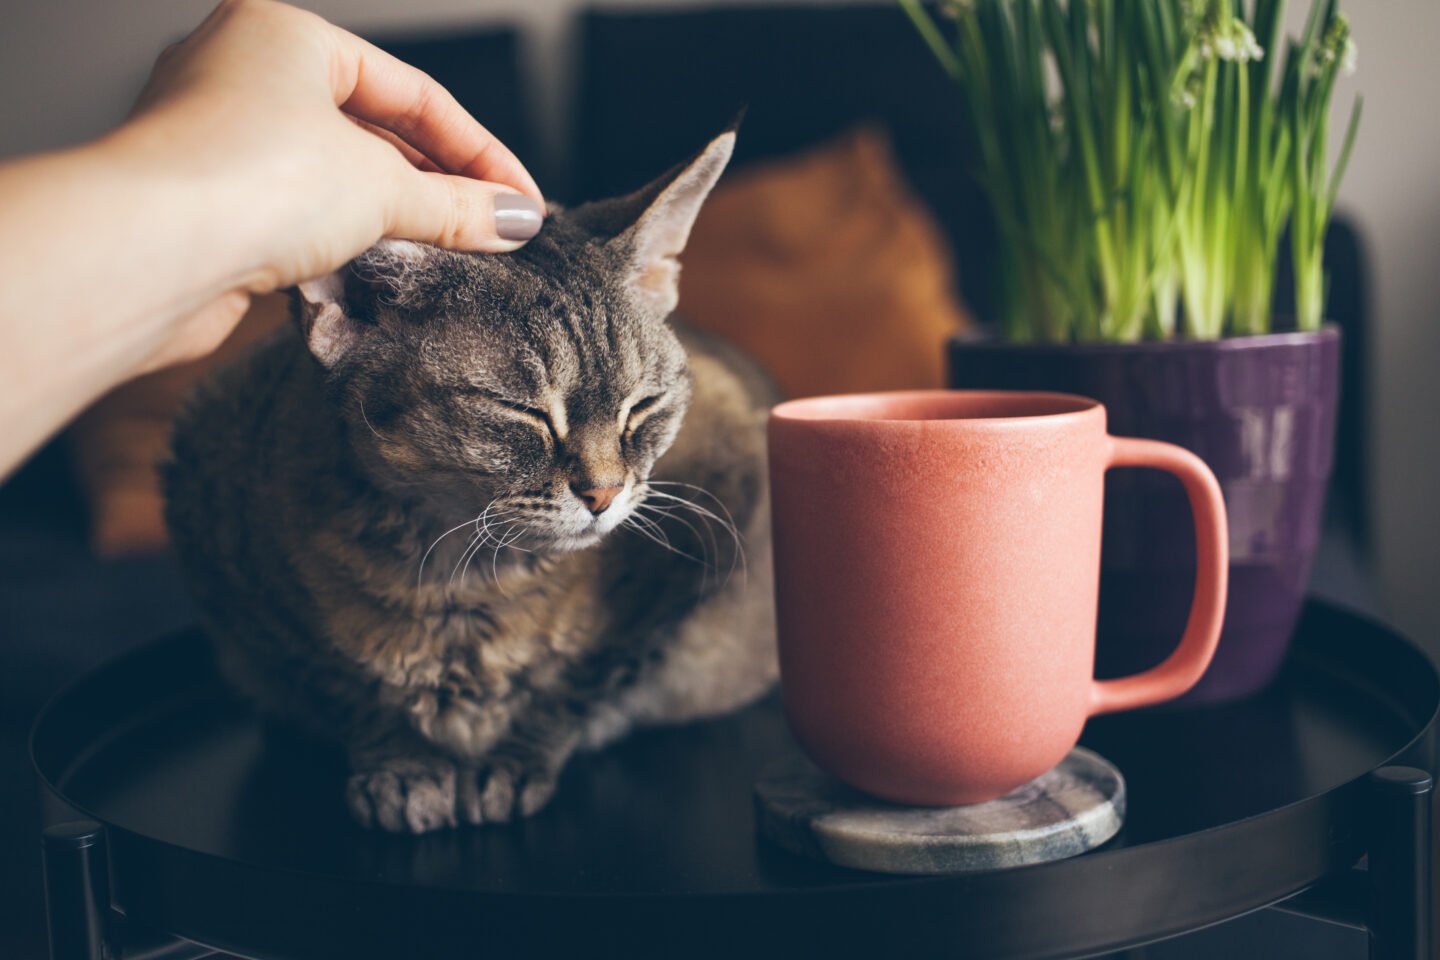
(173,802)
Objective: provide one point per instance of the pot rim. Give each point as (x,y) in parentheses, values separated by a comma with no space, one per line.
(1289,338)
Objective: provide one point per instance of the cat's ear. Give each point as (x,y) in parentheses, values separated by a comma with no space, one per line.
(338,310)
(652,245)
(328,329)
(649,227)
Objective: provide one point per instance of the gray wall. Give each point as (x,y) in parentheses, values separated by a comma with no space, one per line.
(1391,191)
(70,67)
(73,66)
(79,62)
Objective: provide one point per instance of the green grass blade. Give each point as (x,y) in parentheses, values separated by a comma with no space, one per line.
(934,39)
(1347,145)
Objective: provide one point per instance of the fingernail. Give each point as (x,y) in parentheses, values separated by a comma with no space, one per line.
(517,217)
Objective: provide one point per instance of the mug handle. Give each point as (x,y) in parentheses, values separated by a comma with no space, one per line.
(1182,669)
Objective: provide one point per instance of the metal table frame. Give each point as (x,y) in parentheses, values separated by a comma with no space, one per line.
(1391,897)
(1384,821)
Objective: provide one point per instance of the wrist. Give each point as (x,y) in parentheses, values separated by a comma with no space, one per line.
(197,209)
(108,248)
(111,243)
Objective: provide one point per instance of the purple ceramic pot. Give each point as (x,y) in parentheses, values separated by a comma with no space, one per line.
(1261,412)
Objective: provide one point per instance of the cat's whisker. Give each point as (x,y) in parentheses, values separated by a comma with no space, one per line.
(487,536)
(661,540)
(706,549)
(518,534)
(712,547)
(482,522)
(366,419)
(725,510)
(477,543)
(420,577)
(728,525)
(513,520)
(698,489)
(726,521)
(644,523)
(707,517)
(495,560)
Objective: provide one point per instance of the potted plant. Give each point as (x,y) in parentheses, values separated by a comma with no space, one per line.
(1144,159)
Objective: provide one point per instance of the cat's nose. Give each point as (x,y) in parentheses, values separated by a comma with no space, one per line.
(597,499)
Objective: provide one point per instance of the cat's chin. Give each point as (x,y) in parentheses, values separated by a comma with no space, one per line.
(574,542)
(581,534)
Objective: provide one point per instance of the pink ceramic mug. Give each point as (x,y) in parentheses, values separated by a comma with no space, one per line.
(937,568)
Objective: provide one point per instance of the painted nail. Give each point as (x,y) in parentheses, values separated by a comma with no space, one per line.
(517,217)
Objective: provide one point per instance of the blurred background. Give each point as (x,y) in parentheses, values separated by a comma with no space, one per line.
(849,137)
(71,68)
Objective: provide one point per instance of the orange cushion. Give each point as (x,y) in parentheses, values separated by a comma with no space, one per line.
(118,442)
(827,269)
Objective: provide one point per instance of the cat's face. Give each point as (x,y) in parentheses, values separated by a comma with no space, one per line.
(529,393)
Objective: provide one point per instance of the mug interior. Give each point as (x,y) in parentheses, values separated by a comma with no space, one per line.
(914,405)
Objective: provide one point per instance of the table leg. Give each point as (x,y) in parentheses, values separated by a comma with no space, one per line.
(77,890)
(1401,927)
(77,903)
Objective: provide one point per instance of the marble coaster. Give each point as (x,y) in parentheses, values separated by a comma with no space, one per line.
(1075,807)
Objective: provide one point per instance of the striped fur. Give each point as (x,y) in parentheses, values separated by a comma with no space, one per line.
(446,410)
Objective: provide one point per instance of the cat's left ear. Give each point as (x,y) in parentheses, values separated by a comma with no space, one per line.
(652,244)
(328,329)
(340,309)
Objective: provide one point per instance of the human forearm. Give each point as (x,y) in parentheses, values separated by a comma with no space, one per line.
(93,288)
(269,147)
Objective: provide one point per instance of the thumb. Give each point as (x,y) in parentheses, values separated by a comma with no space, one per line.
(461,213)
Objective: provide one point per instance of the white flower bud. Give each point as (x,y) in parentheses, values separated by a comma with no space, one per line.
(1235,42)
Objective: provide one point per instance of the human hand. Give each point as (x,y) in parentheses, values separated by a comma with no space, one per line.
(306,145)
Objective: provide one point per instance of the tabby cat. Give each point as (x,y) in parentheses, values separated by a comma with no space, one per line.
(453,520)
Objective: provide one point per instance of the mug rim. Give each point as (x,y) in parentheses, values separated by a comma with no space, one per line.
(1063,406)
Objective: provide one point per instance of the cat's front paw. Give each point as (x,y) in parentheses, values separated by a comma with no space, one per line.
(503,789)
(409,795)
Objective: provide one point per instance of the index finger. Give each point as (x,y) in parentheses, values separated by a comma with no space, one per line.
(379,89)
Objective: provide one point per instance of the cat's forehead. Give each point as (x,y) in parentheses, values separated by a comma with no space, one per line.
(554,321)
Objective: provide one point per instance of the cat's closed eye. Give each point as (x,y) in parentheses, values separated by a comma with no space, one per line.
(640,406)
(541,417)
(639,410)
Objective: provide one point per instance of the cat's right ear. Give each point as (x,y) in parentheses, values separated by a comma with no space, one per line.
(653,244)
(329,328)
(649,228)
(340,309)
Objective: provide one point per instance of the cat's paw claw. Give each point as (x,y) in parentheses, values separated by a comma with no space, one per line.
(497,797)
(507,791)
(470,800)
(537,793)
(404,796)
